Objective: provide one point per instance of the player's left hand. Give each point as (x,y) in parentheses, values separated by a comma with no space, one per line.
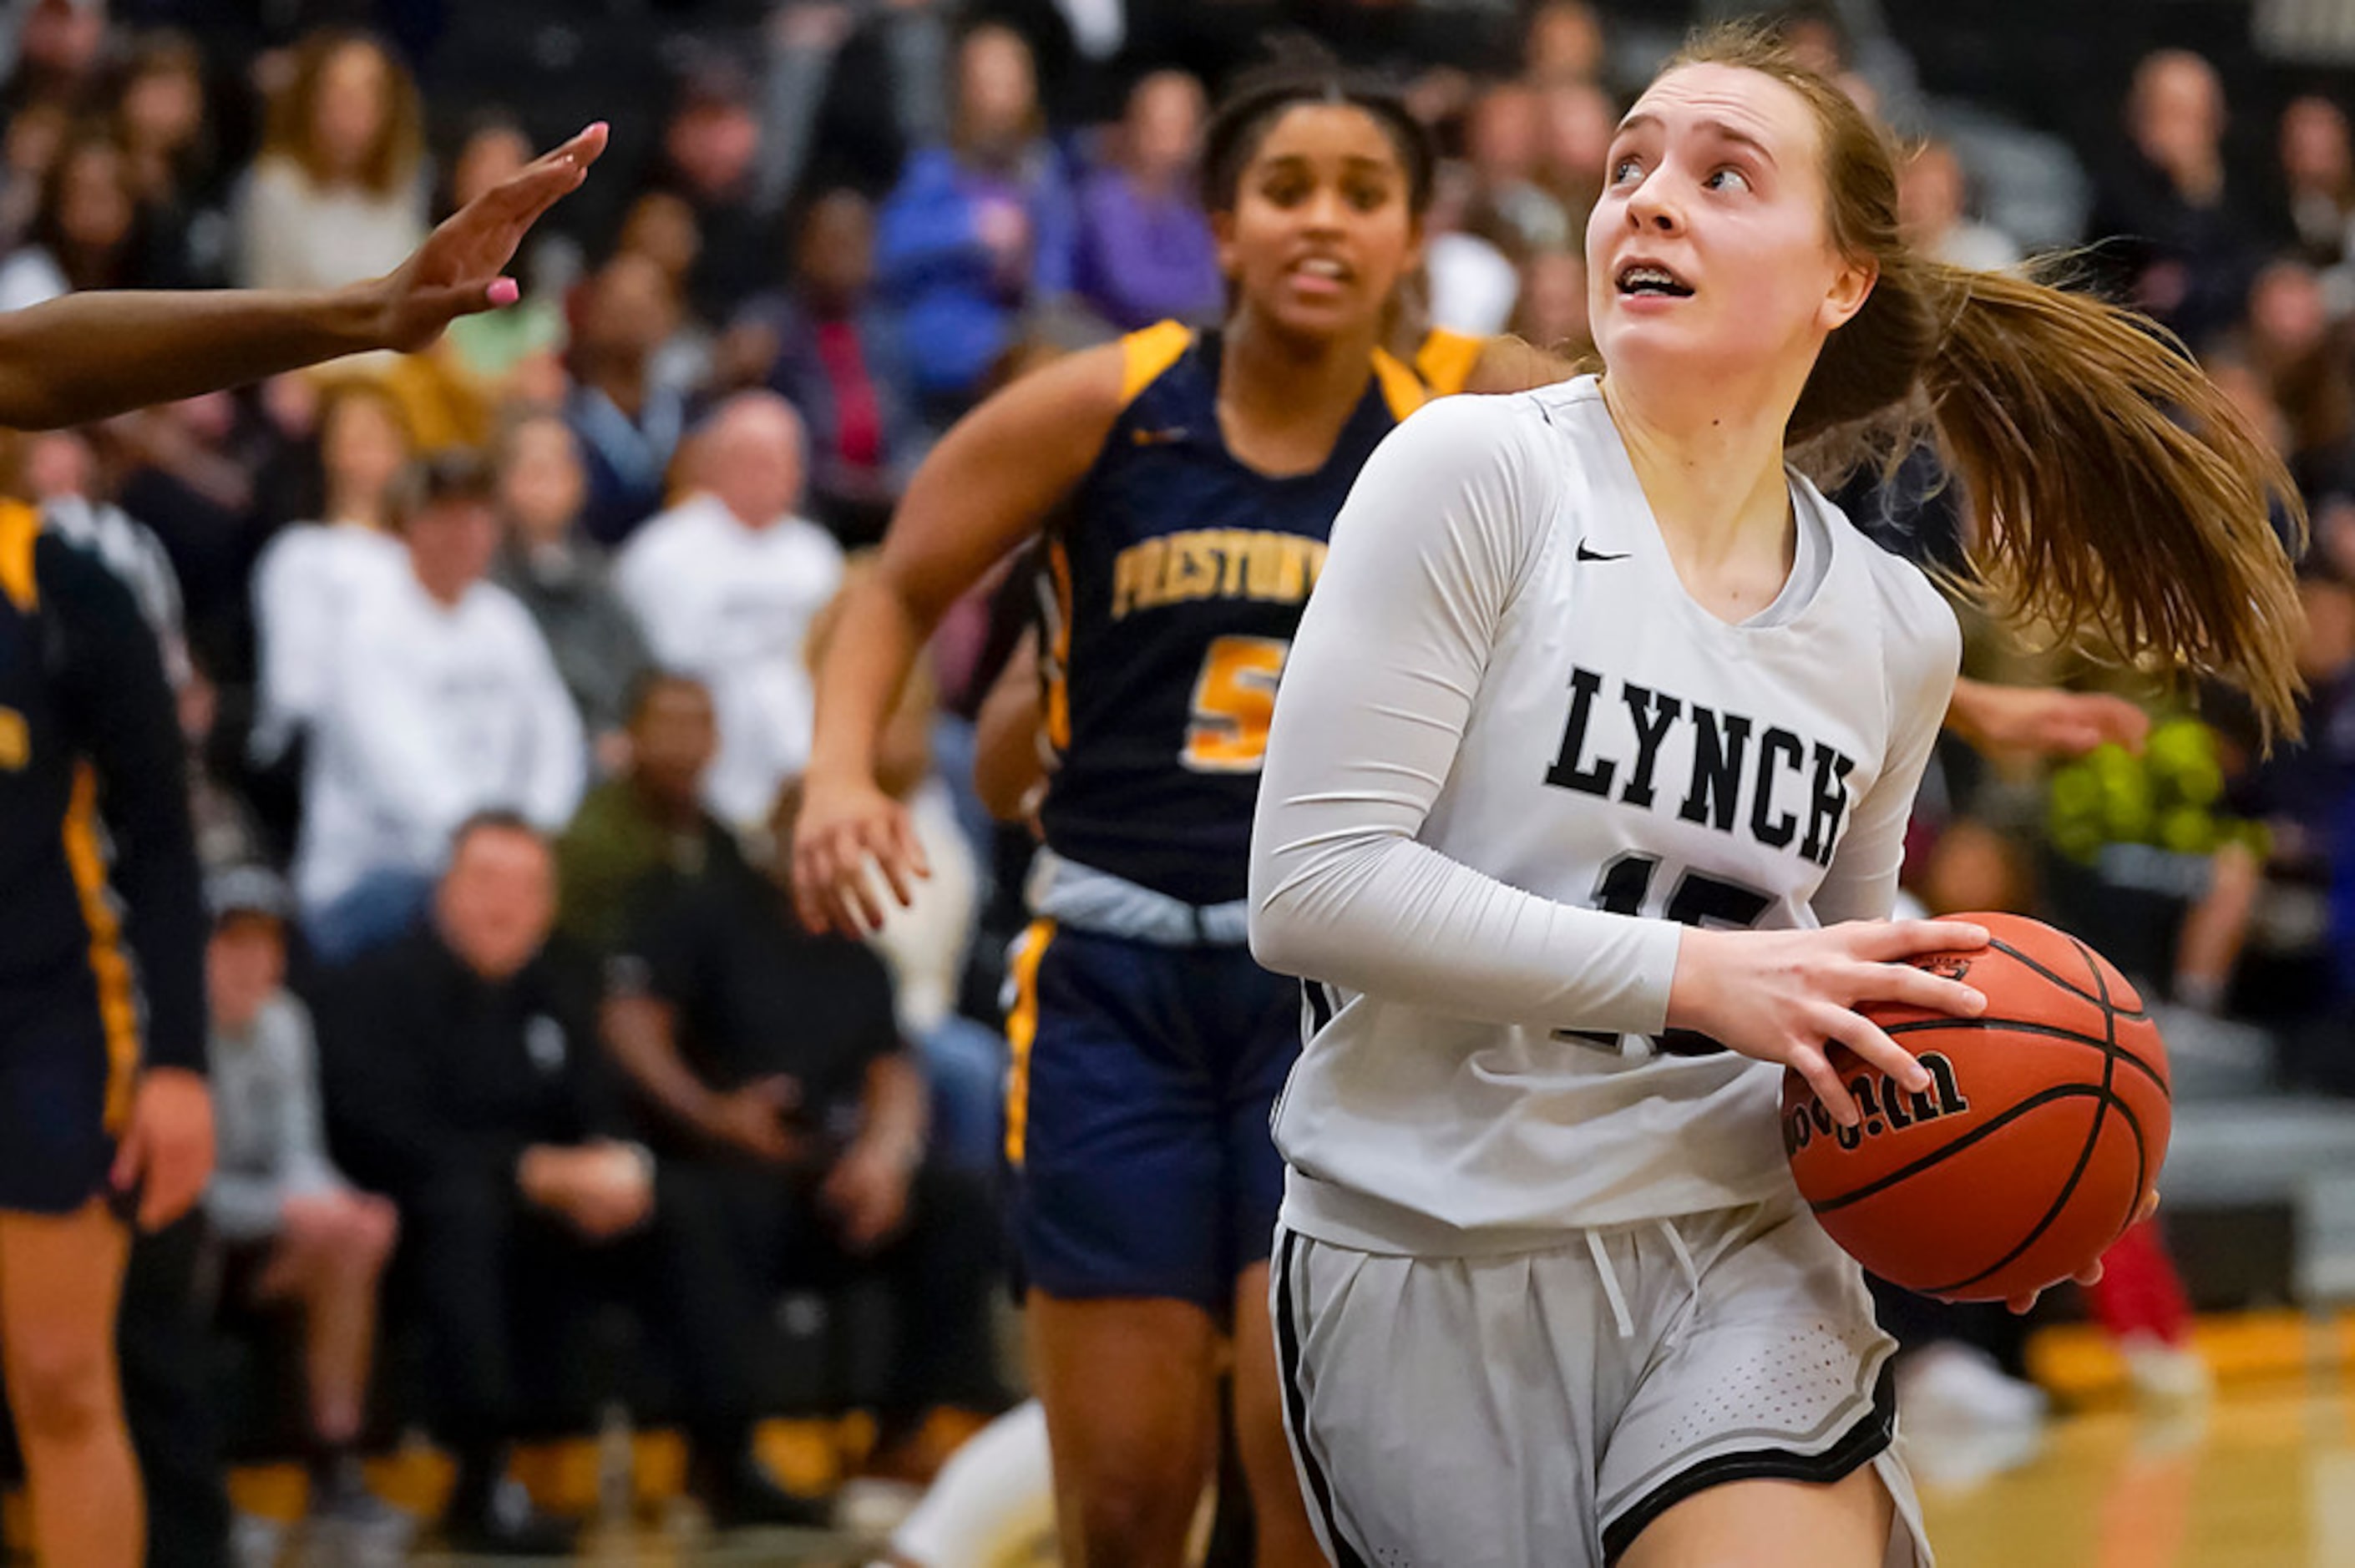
(2092,1275)
(166,1155)
(868,1190)
(456,272)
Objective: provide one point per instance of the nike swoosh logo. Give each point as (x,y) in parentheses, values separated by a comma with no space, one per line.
(1586,555)
(1159,438)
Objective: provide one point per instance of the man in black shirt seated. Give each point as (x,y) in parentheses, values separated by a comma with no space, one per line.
(772,1060)
(465,1078)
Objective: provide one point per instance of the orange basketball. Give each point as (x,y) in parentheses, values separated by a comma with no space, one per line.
(2041,1132)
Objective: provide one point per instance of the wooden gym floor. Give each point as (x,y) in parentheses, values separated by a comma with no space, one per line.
(2264,1477)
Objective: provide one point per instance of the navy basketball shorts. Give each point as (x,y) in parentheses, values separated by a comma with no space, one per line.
(1144,1078)
(65,1075)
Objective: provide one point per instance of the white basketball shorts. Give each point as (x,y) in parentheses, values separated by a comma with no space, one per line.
(1539,1409)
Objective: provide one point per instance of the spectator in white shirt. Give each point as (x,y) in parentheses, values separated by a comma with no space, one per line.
(443,702)
(725,585)
(310,575)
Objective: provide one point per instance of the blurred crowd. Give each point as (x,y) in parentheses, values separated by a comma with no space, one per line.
(495,661)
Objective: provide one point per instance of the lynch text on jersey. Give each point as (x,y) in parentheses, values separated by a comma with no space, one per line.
(1215,562)
(1791,783)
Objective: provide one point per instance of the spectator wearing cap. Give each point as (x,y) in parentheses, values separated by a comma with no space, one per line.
(726,585)
(443,700)
(465,1078)
(296,1232)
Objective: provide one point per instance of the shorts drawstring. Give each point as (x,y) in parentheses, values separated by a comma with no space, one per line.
(1618,1299)
(1691,1274)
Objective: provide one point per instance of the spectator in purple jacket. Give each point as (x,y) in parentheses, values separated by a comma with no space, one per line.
(1146,250)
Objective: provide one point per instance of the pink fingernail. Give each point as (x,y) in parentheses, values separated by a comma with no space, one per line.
(505,291)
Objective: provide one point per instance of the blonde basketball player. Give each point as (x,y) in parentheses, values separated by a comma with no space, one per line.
(1582,815)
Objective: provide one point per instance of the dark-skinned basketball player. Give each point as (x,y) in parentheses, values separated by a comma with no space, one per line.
(104,1116)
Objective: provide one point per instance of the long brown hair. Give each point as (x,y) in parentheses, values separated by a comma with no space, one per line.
(2118,498)
(400,146)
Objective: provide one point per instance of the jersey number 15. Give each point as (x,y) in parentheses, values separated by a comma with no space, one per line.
(1698,899)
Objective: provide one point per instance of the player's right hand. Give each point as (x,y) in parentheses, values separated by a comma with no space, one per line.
(1787,996)
(845,826)
(167,1156)
(457,270)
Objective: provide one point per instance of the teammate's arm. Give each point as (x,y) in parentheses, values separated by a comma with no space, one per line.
(2046,721)
(985,489)
(1007,766)
(126,723)
(89,356)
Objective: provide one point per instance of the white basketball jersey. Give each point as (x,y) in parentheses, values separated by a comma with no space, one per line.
(1622,750)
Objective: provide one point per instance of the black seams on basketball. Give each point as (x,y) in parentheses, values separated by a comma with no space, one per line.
(2042,1131)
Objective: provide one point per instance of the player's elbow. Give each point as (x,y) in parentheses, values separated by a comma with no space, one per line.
(1303,907)
(1272,944)
(1285,938)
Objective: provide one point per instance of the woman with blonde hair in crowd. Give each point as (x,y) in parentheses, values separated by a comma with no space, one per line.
(337,194)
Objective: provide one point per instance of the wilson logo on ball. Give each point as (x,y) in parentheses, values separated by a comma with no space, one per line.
(1887,1109)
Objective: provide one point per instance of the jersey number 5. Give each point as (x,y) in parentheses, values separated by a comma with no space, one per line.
(1234,698)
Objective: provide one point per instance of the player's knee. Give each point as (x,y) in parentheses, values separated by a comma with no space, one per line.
(1133,1515)
(61,1386)
(365,1238)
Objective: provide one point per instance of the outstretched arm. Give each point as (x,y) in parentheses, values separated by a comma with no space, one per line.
(90,355)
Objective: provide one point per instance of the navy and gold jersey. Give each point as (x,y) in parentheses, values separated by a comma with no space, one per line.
(1173,586)
(104,900)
